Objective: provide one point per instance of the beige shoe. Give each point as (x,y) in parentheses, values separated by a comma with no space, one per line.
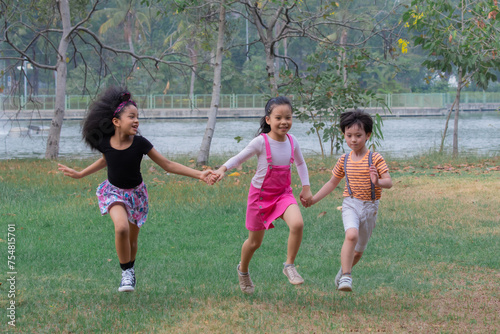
(293,275)
(246,284)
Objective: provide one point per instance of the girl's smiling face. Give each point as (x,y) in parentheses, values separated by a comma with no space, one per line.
(128,121)
(280,121)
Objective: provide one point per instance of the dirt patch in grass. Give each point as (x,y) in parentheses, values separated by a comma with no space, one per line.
(467,301)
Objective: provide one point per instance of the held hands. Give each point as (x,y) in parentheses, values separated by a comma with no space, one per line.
(69,172)
(217,175)
(306,197)
(211,177)
(206,176)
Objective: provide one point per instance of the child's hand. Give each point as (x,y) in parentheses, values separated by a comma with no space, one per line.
(207,176)
(69,172)
(306,197)
(374,175)
(218,175)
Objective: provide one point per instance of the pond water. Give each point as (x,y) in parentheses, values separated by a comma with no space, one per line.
(479,133)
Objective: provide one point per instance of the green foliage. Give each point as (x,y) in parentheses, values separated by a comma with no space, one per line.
(460,34)
(323,95)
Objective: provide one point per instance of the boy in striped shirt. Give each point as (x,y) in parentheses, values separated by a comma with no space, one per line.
(366,174)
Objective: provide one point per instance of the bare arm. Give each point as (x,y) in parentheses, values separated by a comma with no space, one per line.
(177,168)
(327,188)
(95,167)
(384,181)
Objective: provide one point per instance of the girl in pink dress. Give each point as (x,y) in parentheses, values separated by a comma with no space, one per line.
(271,196)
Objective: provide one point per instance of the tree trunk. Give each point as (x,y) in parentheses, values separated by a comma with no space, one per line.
(131,48)
(342,60)
(130,41)
(52,150)
(273,84)
(446,126)
(266,34)
(214,105)
(194,61)
(457,112)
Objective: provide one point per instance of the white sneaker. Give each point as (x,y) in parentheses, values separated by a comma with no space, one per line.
(128,281)
(337,278)
(292,275)
(345,283)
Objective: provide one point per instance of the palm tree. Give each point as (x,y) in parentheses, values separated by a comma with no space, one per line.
(187,38)
(134,19)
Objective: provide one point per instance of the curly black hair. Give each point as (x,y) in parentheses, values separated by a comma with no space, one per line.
(98,123)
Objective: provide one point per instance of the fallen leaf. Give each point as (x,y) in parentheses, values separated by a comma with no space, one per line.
(234,174)
(339,208)
(322,214)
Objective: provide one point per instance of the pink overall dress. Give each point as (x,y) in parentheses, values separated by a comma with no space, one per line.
(270,201)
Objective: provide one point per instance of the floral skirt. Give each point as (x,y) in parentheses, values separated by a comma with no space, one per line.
(135,200)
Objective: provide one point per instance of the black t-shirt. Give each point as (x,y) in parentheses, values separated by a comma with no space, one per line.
(124,166)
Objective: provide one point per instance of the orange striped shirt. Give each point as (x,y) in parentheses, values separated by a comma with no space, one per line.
(359,175)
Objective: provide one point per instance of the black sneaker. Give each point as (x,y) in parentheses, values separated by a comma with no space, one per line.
(133,275)
(128,281)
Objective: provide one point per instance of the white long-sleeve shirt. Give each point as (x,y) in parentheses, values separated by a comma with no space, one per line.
(280,153)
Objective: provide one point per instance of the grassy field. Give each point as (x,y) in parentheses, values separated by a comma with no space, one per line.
(432,265)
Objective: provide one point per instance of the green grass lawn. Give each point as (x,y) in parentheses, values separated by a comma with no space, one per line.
(432,265)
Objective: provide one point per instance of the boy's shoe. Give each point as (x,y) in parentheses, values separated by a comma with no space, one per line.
(246,284)
(345,283)
(337,278)
(128,281)
(292,275)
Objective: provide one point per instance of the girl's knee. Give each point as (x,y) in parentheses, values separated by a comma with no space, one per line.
(121,230)
(253,243)
(296,226)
